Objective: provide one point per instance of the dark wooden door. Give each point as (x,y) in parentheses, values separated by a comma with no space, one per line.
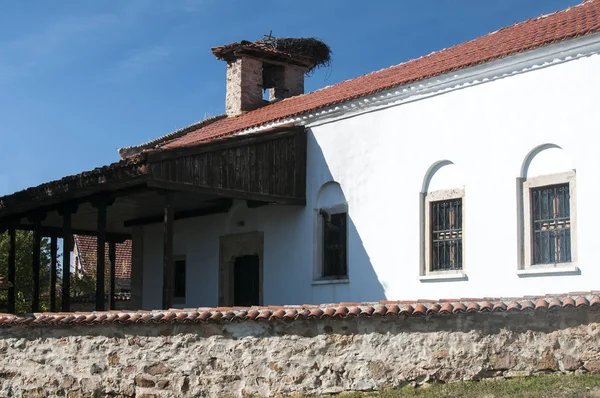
(246,279)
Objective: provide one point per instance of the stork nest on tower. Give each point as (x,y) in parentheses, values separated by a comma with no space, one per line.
(310,48)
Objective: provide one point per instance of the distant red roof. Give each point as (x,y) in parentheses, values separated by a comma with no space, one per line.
(4,283)
(574,22)
(87,246)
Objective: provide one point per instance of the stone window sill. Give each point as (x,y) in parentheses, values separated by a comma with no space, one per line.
(555,271)
(443,277)
(330,281)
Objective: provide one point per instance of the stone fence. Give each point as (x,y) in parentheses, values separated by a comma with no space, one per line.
(282,351)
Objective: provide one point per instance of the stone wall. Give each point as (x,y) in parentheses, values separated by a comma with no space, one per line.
(274,358)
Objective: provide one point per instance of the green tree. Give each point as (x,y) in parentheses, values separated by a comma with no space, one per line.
(24,271)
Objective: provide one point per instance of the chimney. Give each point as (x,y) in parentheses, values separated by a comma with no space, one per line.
(257,67)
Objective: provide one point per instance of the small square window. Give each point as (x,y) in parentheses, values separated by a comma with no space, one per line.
(551,224)
(446,235)
(335,239)
(179,270)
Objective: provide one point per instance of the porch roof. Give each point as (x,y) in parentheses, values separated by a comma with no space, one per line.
(267,167)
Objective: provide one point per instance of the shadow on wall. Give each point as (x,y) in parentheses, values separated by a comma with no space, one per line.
(363,282)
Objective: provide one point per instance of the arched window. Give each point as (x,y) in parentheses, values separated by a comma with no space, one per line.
(331,254)
(443,221)
(547,212)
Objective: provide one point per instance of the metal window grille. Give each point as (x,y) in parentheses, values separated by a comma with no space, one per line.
(335,245)
(446,235)
(551,224)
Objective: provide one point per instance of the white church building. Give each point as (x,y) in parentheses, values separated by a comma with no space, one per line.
(468,172)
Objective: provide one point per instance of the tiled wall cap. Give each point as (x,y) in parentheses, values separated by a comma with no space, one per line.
(554,304)
(419,309)
(568,302)
(446,309)
(541,304)
(433,309)
(291,313)
(582,302)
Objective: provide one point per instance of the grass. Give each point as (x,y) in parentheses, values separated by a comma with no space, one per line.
(563,386)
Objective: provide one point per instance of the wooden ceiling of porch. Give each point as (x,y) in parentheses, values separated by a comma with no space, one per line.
(134,209)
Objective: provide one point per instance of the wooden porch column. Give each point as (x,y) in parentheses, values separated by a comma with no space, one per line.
(66,213)
(101,204)
(168,252)
(53,261)
(35,261)
(112,259)
(12,242)
(100,254)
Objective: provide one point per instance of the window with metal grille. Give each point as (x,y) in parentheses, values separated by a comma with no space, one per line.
(551,224)
(446,235)
(179,280)
(334,245)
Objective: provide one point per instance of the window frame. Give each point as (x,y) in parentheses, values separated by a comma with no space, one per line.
(438,196)
(528,185)
(318,277)
(176,299)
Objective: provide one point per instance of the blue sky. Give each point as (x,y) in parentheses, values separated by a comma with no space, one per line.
(79,79)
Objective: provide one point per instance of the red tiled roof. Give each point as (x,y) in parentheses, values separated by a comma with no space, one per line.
(579,300)
(574,22)
(87,246)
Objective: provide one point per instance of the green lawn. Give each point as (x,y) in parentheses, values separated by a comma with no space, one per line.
(565,386)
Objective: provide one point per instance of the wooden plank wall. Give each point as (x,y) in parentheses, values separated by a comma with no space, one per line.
(275,166)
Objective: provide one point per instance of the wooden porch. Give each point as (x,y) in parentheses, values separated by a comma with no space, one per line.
(157,186)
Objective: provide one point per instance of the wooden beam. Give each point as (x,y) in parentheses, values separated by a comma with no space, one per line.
(226,193)
(12,243)
(169,216)
(35,260)
(66,213)
(53,263)
(254,204)
(221,206)
(58,232)
(100,254)
(112,259)
(56,195)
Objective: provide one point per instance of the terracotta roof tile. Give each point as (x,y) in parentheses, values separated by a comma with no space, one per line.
(325,311)
(582,302)
(574,22)
(541,304)
(458,308)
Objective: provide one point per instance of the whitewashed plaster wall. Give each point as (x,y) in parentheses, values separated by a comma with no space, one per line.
(380,160)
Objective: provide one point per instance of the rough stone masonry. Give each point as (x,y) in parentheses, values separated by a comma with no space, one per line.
(278,358)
